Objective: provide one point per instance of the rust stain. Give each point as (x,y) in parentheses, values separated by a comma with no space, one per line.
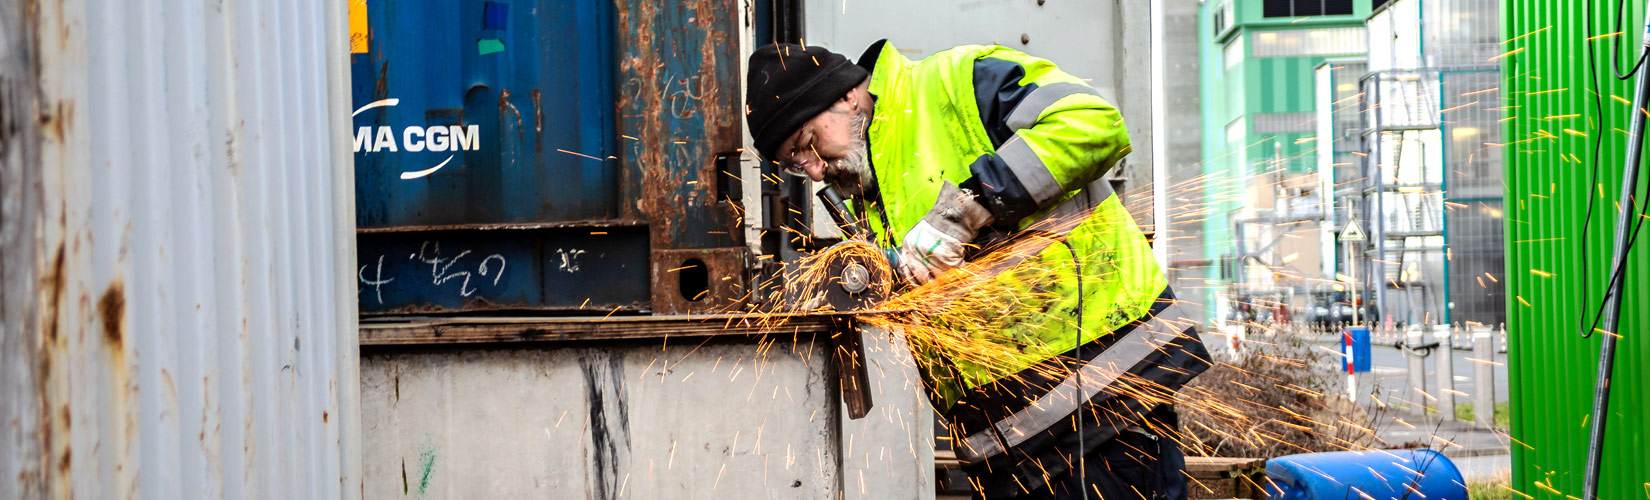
(719,106)
(645,115)
(676,103)
(678,106)
(538,113)
(59,120)
(52,285)
(55,426)
(382,90)
(504,103)
(111,308)
(538,122)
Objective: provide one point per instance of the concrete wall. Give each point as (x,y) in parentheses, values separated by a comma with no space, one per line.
(724,419)
(890,453)
(1190,269)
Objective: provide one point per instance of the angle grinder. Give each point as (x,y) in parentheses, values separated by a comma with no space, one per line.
(853,275)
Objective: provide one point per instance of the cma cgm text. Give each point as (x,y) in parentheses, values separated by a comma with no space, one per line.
(415,138)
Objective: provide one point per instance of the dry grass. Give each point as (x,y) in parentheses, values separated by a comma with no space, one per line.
(1278,399)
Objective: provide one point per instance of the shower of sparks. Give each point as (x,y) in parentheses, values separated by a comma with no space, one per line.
(1278,400)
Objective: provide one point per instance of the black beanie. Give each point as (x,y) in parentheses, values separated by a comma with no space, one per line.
(787,85)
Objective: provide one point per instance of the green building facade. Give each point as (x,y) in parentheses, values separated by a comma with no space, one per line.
(1257,71)
(1556,274)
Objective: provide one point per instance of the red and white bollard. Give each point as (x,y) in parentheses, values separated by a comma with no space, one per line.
(1351,375)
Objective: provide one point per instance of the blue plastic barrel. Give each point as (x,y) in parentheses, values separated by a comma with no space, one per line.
(1379,474)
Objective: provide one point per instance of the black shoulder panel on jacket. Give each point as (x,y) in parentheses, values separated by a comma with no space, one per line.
(997,90)
(995,186)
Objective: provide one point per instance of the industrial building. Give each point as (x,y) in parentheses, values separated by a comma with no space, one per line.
(1385,118)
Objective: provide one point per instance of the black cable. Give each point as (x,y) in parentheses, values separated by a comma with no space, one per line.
(1082,450)
(1592,180)
(1615,58)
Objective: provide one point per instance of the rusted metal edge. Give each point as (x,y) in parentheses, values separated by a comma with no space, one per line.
(447,331)
(849,355)
(506,226)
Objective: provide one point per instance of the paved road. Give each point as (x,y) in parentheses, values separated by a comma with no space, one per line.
(1480,453)
(1390,367)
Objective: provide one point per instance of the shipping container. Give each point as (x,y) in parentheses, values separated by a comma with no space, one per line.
(176,238)
(569,156)
(1560,223)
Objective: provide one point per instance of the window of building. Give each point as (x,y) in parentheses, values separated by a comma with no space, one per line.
(1233,52)
(1283,123)
(1297,8)
(1318,42)
(1234,132)
(1223,18)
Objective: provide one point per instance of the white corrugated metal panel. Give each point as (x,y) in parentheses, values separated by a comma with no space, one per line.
(178,313)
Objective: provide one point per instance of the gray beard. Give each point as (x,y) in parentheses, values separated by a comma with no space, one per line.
(851,174)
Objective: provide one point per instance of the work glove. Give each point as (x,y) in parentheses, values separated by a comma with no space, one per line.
(937,243)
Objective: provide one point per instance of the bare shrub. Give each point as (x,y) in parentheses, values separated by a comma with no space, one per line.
(1278,398)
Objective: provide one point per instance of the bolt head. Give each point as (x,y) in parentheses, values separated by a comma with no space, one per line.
(855,278)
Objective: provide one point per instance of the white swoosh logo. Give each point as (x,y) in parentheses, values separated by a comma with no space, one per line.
(404,175)
(377,104)
(428,171)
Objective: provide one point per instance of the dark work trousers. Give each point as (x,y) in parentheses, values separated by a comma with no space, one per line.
(1131,466)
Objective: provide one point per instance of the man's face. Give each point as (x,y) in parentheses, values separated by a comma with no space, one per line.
(830,147)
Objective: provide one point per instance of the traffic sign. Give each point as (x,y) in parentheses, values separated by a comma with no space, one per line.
(1352,232)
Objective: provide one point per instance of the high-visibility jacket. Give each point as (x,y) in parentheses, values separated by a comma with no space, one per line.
(1031,142)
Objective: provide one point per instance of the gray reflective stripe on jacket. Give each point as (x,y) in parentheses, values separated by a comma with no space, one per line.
(1029,110)
(1070,213)
(1098,374)
(1029,168)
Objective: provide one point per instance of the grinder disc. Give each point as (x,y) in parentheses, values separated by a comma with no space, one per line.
(847,276)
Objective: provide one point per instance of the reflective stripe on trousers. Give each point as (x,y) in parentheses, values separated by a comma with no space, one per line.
(1139,341)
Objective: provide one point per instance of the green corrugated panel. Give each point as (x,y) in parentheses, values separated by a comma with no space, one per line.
(1552,368)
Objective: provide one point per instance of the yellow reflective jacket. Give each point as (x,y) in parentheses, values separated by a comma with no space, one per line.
(1031,142)
(1024,136)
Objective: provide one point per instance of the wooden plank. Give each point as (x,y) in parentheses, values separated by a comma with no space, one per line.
(446,331)
(1223,464)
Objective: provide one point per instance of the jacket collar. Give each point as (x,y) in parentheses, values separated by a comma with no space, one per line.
(886,65)
(868,59)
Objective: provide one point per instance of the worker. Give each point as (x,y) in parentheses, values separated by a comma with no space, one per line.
(981,144)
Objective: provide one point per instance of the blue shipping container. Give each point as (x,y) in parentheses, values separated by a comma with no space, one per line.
(545,155)
(463,106)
